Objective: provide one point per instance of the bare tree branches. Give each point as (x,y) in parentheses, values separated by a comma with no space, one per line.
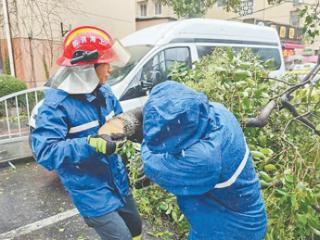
(40,20)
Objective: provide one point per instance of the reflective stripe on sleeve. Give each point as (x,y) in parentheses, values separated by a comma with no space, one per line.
(84,127)
(236,173)
(110,116)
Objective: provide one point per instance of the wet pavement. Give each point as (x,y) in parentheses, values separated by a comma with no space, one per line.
(16,149)
(29,195)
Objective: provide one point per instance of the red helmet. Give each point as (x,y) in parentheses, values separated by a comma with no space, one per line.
(89,45)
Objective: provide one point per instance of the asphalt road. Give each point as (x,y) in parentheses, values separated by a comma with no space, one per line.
(34,206)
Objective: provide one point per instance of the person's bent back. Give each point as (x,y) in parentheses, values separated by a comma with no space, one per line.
(196,150)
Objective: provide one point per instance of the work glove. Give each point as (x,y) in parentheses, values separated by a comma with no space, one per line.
(105,144)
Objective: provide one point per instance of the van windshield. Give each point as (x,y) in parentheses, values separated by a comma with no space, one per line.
(119,73)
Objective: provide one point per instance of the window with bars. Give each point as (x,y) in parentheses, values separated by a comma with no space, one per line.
(297,2)
(294,18)
(245,8)
(221,3)
(143,9)
(158,8)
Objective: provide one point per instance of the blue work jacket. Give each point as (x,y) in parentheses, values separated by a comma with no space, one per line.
(97,184)
(196,150)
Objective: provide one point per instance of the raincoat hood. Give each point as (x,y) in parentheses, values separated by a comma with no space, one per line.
(175,117)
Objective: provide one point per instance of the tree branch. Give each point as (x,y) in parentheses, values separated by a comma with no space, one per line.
(262,119)
(286,104)
(277,80)
(307,79)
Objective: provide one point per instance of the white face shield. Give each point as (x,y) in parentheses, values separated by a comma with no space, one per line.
(121,53)
(75,80)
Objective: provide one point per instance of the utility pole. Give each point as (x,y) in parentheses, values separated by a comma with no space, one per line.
(8,34)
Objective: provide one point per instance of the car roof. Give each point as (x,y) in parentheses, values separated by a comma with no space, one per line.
(201,29)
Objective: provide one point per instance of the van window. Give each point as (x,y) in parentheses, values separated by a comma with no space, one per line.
(264,54)
(119,73)
(181,55)
(205,50)
(134,89)
(156,70)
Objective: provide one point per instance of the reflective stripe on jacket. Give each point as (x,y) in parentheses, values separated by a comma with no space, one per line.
(96,183)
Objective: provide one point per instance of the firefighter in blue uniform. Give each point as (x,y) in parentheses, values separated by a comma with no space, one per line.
(65,136)
(197,151)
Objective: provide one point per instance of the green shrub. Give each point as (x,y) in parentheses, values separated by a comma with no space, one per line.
(8,85)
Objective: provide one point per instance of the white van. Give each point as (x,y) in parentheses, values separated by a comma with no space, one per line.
(155,48)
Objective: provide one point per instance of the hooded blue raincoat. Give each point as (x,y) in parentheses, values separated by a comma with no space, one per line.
(197,151)
(97,184)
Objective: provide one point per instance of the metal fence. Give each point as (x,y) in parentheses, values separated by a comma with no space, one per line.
(15,112)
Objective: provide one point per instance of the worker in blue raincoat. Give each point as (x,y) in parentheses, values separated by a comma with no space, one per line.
(65,137)
(197,151)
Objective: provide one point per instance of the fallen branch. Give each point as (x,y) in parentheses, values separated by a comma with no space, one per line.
(277,80)
(262,119)
(307,79)
(286,104)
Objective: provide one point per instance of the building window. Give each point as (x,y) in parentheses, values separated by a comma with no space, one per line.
(294,18)
(158,8)
(297,2)
(221,3)
(245,8)
(143,9)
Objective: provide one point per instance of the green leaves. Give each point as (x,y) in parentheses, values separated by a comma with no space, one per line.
(270,168)
(264,176)
(241,74)
(310,29)
(258,155)
(189,8)
(164,206)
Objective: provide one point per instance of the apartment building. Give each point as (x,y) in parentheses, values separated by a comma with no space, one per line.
(38,28)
